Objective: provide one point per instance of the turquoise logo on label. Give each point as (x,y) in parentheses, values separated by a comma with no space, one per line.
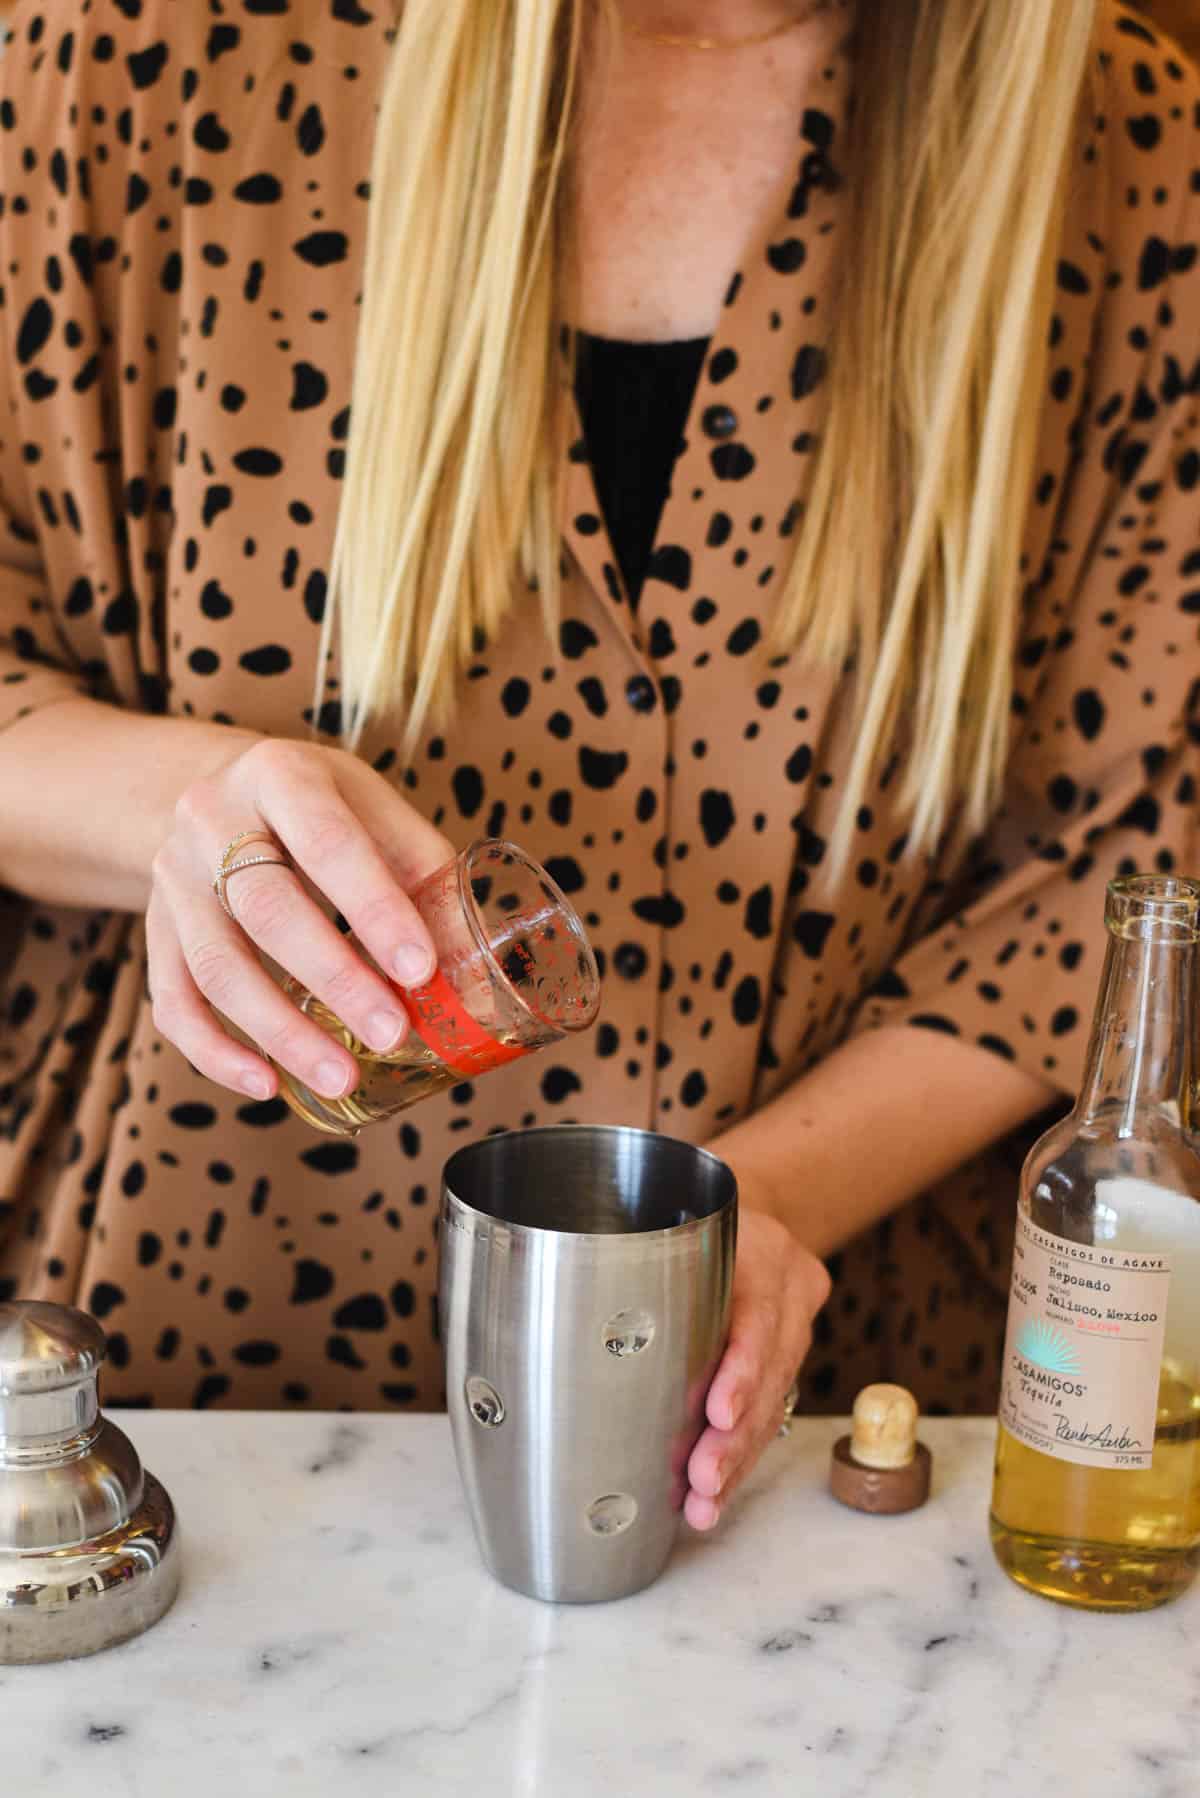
(1046,1347)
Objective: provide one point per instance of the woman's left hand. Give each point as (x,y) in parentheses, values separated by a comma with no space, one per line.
(778,1288)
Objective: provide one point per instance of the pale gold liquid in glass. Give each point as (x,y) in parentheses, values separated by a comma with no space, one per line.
(1105,1539)
(387,1084)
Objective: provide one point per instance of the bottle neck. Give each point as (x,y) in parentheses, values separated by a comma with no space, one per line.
(1141,1056)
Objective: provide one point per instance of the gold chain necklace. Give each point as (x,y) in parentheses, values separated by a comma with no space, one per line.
(671,41)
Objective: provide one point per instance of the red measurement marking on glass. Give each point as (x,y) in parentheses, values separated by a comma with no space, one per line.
(445,1026)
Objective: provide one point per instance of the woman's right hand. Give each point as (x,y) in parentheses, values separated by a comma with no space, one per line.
(359,844)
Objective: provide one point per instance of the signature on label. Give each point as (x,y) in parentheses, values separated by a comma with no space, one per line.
(1107,1436)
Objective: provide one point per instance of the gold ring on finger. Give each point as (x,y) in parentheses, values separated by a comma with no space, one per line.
(257,835)
(229,866)
(249,861)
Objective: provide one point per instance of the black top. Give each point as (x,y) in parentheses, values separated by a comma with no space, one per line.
(634,400)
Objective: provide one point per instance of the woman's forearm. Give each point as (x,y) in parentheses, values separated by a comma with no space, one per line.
(877,1122)
(87,794)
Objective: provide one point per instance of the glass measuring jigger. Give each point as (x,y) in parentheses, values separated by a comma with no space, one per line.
(515,972)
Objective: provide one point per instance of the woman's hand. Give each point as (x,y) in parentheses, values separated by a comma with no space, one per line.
(359,844)
(778,1288)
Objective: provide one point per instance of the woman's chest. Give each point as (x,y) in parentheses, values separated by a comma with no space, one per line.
(680,158)
(677,777)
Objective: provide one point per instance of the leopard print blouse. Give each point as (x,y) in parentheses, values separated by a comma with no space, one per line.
(184,199)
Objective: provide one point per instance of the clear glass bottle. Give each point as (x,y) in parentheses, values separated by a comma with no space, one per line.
(1097,1489)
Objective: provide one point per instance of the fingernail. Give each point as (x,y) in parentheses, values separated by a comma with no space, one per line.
(331,1079)
(411,963)
(384,1028)
(257,1085)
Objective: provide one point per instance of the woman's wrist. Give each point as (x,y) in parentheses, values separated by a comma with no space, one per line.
(93,795)
(757,1190)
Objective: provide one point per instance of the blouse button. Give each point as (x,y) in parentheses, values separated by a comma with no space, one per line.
(720,421)
(640,693)
(629,960)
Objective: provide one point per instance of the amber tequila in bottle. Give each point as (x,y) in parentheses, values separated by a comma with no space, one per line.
(1097,1490)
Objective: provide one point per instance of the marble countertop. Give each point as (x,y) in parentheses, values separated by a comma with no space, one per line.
(336,1634)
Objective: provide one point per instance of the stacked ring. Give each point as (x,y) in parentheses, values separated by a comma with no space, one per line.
(228,865)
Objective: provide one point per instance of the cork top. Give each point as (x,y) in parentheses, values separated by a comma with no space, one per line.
(884,1427)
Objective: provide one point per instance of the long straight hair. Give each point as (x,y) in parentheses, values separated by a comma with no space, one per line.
(907,555)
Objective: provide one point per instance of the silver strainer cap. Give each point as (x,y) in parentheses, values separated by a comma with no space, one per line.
(88,1547)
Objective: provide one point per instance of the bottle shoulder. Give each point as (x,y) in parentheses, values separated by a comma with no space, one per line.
(1095,1179)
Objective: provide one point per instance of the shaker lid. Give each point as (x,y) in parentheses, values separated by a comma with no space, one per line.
(44,1348)
(88,1547)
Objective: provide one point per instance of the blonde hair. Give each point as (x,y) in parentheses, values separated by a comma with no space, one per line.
(908,552)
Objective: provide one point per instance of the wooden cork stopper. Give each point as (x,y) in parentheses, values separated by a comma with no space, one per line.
(883,1429)
(881,1467)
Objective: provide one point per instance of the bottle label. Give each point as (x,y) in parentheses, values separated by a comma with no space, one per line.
(444,1024)
(1084,1349)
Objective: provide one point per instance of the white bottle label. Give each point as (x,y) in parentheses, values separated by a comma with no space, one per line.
(1084,1349)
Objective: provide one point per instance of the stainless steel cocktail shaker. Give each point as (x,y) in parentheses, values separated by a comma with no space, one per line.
(586,1276)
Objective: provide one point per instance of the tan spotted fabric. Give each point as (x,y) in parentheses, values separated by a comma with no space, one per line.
(184,202)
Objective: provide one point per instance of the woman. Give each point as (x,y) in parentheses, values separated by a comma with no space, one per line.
(835,756)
